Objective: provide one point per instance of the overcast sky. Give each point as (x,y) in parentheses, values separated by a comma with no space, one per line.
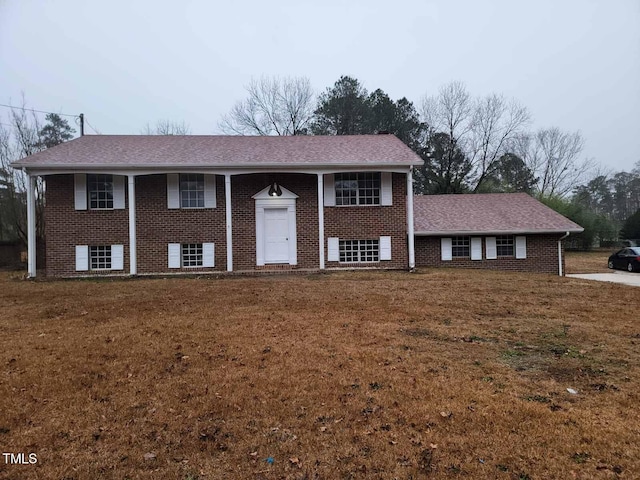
(574,64)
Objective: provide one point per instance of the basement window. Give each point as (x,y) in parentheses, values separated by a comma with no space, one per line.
(100,257)
(359,251)
(192,255)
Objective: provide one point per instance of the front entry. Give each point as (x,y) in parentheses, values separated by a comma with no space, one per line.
(276,241)
(276,235)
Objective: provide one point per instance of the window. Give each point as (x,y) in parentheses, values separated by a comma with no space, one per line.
(357,188)
(460,247)
(504,245)
(100,257)
(191,190)
(100,188)
(359,251)
(192,255)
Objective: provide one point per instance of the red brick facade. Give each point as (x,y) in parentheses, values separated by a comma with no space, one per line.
(157,225)
(542,256)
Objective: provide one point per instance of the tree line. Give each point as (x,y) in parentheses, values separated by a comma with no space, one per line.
(469,144)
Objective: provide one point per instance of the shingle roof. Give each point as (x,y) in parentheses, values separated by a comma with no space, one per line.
(149,151)
(492,213)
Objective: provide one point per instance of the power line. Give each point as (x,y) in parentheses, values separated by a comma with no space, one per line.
(37,111)
(91,126)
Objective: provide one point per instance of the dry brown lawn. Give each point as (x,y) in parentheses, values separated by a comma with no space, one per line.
(594,261)
(438,374)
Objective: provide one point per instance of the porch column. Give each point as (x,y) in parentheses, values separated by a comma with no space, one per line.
(321,218)
(31,226)
(227,206)
(133,261)
(411,239)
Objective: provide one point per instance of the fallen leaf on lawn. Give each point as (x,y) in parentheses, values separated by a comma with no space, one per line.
(433,445)
(150,456)
(323,429)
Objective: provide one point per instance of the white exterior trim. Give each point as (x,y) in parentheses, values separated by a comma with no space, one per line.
(264,201)
(386,189)
(118,192)
(208,255)
(82,258)
(209,191)
(117,257)
(446,253)
(410,231)
(173,190)
(384,248)
(333,249)
(476,248)
(521,247)
(174,255)
(80,191)
(490,247)
(133,261)
(329,190)
(321,220)
(227,211)
(31,226)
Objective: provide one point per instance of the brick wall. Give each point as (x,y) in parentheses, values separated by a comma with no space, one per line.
(243,187)
(371,222)
(157,226)
(66,227)
(542,256)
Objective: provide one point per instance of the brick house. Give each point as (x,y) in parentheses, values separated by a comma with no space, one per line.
(137,205)
(500,231)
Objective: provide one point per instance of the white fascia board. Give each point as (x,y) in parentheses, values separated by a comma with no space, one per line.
(138,170)
(460,233)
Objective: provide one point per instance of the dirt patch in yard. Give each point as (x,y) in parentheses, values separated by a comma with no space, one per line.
(594,261)
(438,374)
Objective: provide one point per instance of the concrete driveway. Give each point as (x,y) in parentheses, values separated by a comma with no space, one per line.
(625,278)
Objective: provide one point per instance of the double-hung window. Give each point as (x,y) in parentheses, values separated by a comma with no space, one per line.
(100,190)
(191,190)
(505,245)
(360,251)
(460,247)
(357,188)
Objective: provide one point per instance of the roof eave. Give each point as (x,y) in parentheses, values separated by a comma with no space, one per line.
(448,233)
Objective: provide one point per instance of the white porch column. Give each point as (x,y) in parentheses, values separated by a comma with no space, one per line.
(227,206)
(31,226)
(411,239)
(133,260)
(321,218)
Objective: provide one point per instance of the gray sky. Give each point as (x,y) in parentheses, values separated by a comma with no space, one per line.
(574,64)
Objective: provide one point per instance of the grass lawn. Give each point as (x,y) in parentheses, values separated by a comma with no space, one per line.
(438,374)
(594,261)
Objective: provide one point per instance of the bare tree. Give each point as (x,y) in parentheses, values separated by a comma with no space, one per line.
(480,128)
(167,127)
(553,155)
(276,106)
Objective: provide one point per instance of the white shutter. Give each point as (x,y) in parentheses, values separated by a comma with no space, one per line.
(209,191)
(208,255)
(385,248)
(490,245)
(329,190)
(386,193)
(521,247)
(80,191)
(117,257)
(174,255)
(476,248)
(82,258)
(333,249)
(445,249)
(173,191)
(118,191)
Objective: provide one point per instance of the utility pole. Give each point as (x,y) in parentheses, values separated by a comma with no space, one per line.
(82,124)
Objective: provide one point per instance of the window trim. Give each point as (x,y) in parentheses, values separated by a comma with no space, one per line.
(94,179)
(466,245)
(200,182)
(359,177)
(198,247)
(512,245)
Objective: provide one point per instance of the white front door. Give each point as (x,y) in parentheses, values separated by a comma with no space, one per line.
(276,235)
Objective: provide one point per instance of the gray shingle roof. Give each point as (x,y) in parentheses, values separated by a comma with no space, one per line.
(149,151)
(492,213)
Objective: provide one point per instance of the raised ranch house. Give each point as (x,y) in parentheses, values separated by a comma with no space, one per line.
(135,205)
